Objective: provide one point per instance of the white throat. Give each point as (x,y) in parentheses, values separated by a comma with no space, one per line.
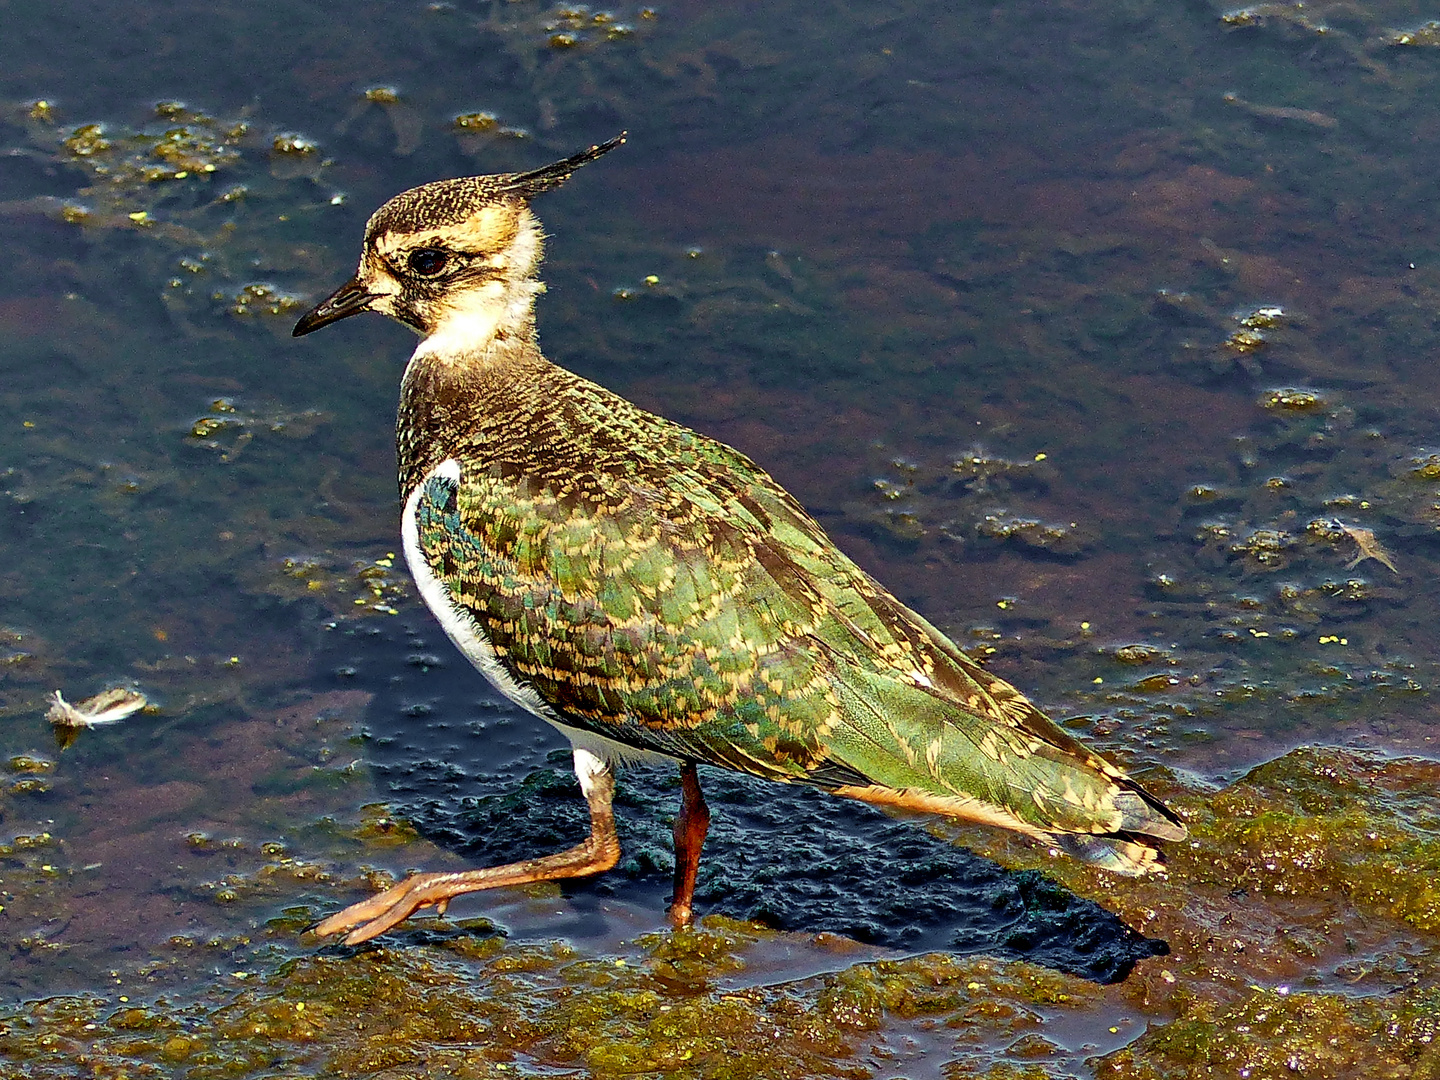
(472,321)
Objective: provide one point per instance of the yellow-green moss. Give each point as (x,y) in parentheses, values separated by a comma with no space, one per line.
(1323,822)
(1270,1036)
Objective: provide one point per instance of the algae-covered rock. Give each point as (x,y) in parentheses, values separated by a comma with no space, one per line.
(447,1010)
(1300,915)
(1327,823)
(1273,1035)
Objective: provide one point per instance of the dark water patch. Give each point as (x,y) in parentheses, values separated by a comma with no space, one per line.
(476,775)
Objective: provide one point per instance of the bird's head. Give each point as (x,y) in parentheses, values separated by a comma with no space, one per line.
(453,259)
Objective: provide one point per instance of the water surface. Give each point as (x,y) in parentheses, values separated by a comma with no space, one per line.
(1104,334)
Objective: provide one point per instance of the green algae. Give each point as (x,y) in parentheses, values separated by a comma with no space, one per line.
(970,502)
(1271,1035)
(478,1012)
(1352,829)
(1426,35)
(29,763)
(127,168)
(1347,843)
(1351,835)
(698,956)
(1321,823)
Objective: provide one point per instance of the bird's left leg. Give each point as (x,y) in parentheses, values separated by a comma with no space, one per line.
(599,851)
(691,825)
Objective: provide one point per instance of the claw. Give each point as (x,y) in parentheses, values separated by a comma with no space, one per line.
(372,917)
(681,916)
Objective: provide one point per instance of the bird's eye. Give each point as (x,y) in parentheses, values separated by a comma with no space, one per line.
(427,262)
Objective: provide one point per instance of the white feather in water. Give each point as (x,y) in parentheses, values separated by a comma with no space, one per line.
(109,707)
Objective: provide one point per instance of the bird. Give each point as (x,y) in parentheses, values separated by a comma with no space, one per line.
(654,594)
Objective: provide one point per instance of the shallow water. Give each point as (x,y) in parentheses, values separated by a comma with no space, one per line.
(1104,334)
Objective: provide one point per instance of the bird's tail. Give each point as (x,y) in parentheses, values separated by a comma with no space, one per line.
(1128,850)
(1120,853)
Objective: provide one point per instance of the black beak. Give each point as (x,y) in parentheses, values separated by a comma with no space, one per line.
(349,299)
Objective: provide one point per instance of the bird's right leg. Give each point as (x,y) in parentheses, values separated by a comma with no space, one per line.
(598,852)
(691,825)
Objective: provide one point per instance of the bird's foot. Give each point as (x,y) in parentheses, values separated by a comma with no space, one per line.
(596,853)
(681,915)
(372,917)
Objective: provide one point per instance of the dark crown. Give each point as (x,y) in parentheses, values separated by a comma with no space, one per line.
(450,202)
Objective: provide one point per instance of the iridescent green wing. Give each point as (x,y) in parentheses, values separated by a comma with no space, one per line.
(710,618)
(920,716)
(642,614)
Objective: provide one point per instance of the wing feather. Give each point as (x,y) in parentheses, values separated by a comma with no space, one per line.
(708,617)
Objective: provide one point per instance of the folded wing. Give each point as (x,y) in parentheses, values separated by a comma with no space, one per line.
(706,616)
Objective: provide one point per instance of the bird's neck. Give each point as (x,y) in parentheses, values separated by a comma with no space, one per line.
(480,367)
(483,325)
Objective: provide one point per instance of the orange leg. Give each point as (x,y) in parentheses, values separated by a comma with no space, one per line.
(691,825)
(599,851)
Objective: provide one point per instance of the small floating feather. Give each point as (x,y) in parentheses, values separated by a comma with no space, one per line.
(1367,547)
(109,707)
